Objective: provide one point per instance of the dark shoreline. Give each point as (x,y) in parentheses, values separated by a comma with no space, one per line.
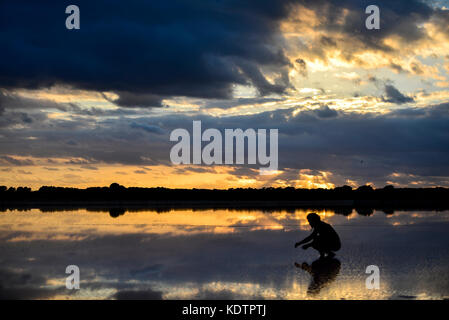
(115,196)
(337,205)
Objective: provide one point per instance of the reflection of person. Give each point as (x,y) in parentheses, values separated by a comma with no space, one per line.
(324,238)
(323,272)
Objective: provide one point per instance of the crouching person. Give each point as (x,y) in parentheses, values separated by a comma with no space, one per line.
(324,238)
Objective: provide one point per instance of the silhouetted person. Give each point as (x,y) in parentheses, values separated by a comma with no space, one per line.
(323,272)
(324,238)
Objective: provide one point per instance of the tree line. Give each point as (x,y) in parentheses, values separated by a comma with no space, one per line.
(115,192)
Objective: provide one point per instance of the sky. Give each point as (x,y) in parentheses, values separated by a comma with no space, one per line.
(353,106)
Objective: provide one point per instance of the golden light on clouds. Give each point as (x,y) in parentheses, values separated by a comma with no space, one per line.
(66,172)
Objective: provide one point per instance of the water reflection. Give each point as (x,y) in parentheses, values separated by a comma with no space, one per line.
(323,272)
(220,254)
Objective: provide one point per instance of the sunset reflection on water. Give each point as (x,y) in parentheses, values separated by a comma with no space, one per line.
(224,253)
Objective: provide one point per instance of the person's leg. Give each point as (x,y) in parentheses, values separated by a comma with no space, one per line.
(318,246)
(333,247)
(336,246)
(323,248)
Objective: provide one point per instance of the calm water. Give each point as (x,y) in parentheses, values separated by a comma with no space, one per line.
(220,254)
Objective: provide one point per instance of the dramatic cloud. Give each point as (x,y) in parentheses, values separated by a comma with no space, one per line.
(16,162)
(302,67)
(147,127)
(332,30)
(325,112)
(145,50)
(395,96)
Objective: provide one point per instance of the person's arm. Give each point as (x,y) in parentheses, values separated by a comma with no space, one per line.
(307,239)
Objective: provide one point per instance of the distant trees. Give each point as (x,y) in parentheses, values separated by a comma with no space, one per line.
(344,188)
(116,187)
(366,188)
(12,189)
(23,189)
(363,196)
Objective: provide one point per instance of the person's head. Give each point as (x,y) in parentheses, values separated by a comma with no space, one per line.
(313,219)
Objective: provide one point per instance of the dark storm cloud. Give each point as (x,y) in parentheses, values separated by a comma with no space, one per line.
(12,105)
(441,19)
(9,119)
(401,19)
(147,127)
(131,100)
(16,162)
(147,51)
(302,66)
(393,95)
(16,109)
(261,83)
(10,100)
(325,112)
(13,102)
(144,50)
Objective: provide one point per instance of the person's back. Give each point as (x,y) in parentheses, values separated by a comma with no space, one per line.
(328,235)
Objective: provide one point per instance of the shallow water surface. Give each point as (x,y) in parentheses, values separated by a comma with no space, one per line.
(220,254)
